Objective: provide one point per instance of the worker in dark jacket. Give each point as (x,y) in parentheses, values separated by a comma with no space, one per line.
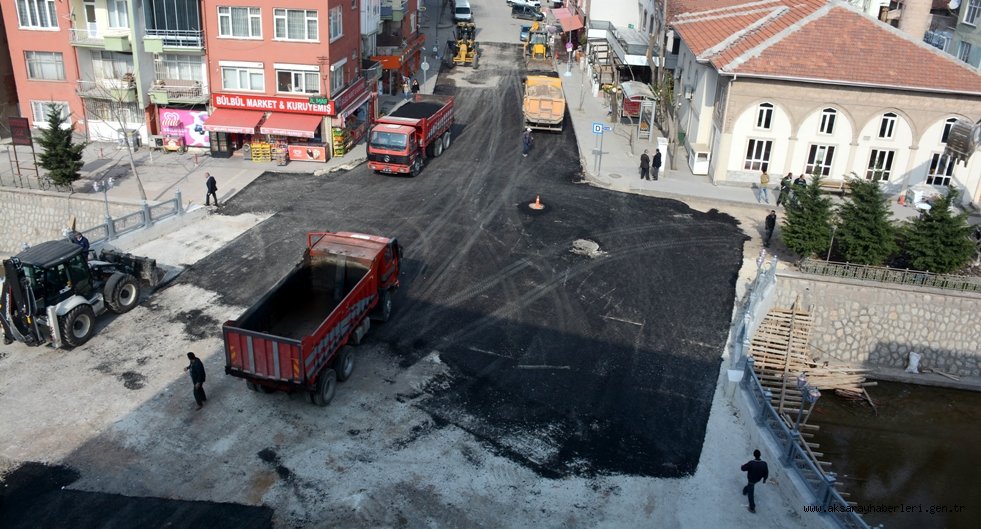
(196,368)
(82,241)
(755,470)
(212,190)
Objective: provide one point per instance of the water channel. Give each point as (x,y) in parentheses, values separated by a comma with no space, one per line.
(920,456)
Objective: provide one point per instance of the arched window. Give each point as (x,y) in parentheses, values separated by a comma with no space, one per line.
(828,117)
(764,116)
(949,123)
(887,127)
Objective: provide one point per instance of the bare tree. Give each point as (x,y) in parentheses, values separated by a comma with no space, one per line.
(110,99)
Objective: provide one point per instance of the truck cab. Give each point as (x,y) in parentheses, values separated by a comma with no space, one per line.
(394,149)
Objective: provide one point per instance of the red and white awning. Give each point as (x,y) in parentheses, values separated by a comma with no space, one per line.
(294,125)
(234,121)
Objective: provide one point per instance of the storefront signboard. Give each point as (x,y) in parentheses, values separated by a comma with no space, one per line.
(271,104)
(20,131)
(186,123)
(308,153)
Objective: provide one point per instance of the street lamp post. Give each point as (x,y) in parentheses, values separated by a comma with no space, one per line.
(105,186)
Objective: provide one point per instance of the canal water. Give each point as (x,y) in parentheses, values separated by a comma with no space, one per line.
(920,456)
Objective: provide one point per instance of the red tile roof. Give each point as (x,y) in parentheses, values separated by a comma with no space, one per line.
(816,41)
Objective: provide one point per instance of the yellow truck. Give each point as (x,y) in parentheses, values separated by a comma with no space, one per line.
(544,102)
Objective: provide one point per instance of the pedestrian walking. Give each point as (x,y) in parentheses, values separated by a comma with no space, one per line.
(764,183)
(785,191)
(196,368)
(415,87)
(645,166)
(526,142)
(212,186)
(656,164)
(755,470)
(770,223)
(406,89)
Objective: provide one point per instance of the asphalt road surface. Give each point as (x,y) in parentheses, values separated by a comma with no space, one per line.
(578,364)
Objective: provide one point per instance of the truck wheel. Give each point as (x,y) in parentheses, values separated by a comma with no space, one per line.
(122,292)
(446,140)
(437,147)
(251,385)
(344,365)
(384,309)
(326,387)
(78,325)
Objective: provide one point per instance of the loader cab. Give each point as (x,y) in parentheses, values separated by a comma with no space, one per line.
(56,271)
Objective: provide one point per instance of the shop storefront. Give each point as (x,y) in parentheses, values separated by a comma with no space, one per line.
(182,129)
(400,63)
(355,110)
(268,128)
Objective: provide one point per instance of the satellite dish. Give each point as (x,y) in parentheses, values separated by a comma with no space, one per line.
(953,5)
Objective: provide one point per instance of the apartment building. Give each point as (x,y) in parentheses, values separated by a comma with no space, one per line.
(966,44)
(44,66)
(8,89)
(399,42)
(286,77)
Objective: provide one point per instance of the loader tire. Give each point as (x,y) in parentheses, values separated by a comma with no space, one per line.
(344,365)
(77,326)
(326,388)
(122,293)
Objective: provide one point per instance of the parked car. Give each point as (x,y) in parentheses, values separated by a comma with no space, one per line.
(524,33)
(526,13)
(529,3)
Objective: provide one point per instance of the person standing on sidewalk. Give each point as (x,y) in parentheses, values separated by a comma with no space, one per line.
(785,191)
(645,166)
(656,164)
(770,223)
(755,470)
(405,89)
(764,184)
(415,87)
(196,368)
(212,186)
(526,142)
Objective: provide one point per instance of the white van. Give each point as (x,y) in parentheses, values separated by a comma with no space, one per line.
(462,12)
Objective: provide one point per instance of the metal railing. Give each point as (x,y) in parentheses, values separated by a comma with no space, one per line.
(883,274)
(178,88)
(142,218)
(121,90)
(820,484)
(752,309)
(178,38)
(95,37)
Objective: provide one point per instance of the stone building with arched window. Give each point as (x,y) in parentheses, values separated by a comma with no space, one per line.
(811,86)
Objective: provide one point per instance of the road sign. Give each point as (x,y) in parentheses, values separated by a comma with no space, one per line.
(424,66)
(598,127)
(607,128)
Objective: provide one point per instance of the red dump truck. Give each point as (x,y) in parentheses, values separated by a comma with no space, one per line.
(400,142)
(298,336)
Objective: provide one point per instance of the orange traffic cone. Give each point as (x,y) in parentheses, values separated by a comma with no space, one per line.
(537,204)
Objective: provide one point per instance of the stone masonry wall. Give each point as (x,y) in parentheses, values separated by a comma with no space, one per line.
(38,216)
(877,325)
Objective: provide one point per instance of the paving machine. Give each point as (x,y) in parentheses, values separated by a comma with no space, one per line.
(52,292)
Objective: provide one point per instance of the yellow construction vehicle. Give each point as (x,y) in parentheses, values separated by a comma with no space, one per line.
(543,105)
(463,49)
(538,49)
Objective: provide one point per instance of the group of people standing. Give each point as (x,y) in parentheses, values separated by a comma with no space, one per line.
(409,88)
(650,166)
(788,185)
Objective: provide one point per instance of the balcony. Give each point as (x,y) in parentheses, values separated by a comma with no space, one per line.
(372,71)
(119,90)
(166,91)
(162,40)
(111,40)
(394,10)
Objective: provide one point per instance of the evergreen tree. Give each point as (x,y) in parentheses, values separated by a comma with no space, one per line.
(938,240)
(807,221)
(866,234)
(60,155)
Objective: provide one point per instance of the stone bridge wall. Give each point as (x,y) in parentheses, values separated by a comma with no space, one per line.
(877,325)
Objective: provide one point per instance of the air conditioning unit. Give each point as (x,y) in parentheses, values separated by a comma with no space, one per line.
(689,92)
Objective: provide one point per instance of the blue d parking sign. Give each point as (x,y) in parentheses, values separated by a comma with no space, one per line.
(597,127)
